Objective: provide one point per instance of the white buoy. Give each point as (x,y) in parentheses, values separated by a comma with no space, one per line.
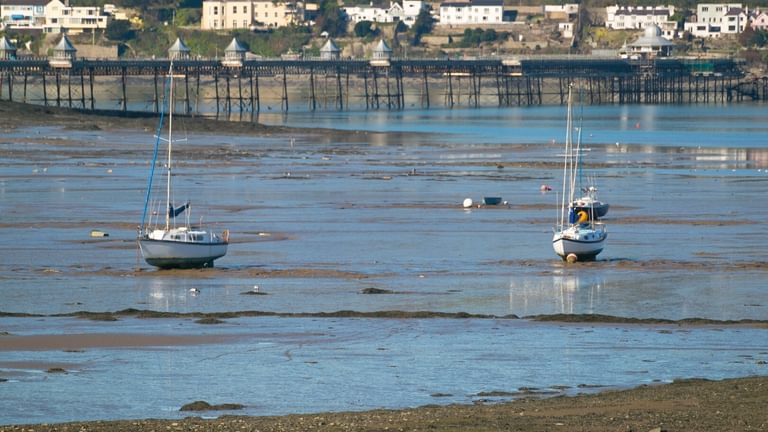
(468,202)
(571,258)
(194,291)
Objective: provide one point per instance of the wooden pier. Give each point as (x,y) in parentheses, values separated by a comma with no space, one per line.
(252,86)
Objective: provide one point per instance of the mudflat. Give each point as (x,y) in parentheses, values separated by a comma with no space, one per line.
(689,405)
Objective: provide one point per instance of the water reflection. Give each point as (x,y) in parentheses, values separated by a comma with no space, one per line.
(564,293)
(167,294)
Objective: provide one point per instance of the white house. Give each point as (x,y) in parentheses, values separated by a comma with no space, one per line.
(21,14)
(243,14)
(715,19)
(406,12)
(566,11)
(565,29)
(357,14)
(412,9)
(52,16)
(760,21)
(640,17)
(62,18)
(473,12)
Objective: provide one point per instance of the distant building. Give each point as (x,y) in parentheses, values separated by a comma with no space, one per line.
(565,29)
(760,21)
(640,17)
(472,12)
(52,16)
(358,14)
(412,9)
(62,18)
(716,19)
(405,12)
(561,12)
(247,14)
(23,14)
(651,44)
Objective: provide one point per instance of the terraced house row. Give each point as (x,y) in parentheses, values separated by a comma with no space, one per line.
(709,19)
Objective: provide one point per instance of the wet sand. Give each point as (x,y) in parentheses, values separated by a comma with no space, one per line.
(690,405)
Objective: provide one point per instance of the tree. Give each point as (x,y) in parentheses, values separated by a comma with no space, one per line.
(120,30)
(423,25)
(331,19)
(365,28)
(753,38)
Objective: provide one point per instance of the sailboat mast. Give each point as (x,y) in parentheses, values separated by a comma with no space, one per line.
(566,158)
(576,161)
(170,146)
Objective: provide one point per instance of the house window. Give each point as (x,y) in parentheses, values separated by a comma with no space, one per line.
(245,9)
(705,9)
(234,23)
(255,14)
(215,10)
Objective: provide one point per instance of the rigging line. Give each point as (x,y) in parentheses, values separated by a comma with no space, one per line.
(154,161)
(580,183)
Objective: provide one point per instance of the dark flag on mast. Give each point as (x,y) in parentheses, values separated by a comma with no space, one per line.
(173,212)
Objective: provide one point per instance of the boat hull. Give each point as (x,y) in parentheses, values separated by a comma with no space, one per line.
(168,254)
(585,245)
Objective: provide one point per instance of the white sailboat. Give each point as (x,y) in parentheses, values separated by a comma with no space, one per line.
(167,242)
(578,236)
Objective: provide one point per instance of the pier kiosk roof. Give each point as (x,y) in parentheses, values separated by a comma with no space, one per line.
(234,54)
(651,43)
(179,50)
(7,50)
(63,53)
(330,51)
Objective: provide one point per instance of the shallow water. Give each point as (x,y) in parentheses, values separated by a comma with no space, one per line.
(301,365)
(316,223)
